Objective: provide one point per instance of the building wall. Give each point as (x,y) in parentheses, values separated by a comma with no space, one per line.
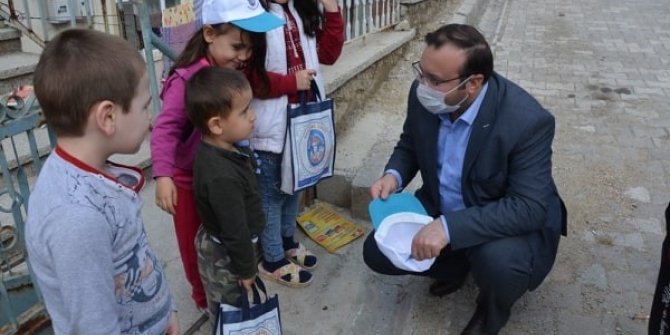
(57,22)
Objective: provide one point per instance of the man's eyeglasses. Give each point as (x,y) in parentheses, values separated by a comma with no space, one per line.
(418,72)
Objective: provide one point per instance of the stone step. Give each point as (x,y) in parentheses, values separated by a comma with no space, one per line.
(367,127)
(10,40)
(363,149)
(361,69)
(353,147)
(353,80)
(16,69)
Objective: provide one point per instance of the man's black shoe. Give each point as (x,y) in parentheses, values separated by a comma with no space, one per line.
(441,288)
(477,323)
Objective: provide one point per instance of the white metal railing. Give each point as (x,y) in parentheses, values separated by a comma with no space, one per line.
(362,17)
(34,17)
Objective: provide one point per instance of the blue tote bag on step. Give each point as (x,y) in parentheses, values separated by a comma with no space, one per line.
(259,318)
(309,146)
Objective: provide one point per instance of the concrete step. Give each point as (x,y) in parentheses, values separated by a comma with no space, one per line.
(10,40)
(353,80)
(374,110)
(362,68)
(353,147)
(16,69)
(363,149)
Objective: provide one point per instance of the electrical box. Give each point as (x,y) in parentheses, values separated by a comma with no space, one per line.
(59,11)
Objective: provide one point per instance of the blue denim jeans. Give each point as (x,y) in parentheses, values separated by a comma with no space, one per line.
(281,209)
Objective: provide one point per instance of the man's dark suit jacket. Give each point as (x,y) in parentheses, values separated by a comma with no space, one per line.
(507,185)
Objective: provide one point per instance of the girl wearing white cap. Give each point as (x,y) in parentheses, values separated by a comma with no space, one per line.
(232,36)
(293,62)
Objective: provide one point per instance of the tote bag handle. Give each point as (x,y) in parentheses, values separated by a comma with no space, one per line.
(244,303)
(315,90)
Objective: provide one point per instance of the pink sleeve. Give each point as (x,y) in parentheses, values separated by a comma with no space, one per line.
(169,127)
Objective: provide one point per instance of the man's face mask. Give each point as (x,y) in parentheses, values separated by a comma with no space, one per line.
(435,101)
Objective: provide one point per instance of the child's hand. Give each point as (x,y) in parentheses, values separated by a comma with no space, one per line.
(247,284)
(329,5)
(166,194)
(303,79)
(173,325)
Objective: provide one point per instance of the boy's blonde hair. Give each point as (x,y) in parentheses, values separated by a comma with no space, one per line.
(80,68)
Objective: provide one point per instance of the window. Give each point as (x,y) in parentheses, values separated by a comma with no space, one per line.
(156,6)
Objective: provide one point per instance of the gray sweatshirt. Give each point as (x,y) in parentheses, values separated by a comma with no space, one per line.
(89,251)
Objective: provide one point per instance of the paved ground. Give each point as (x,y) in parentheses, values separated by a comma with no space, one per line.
(602,68)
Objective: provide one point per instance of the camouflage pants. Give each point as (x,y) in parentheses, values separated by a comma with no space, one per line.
(218,276)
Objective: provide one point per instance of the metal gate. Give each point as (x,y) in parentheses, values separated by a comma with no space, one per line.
(24,141)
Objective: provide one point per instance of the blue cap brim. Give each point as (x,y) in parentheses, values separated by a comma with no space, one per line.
(259,24)
(396,203)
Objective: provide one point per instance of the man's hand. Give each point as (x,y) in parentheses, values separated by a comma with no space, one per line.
(384,186)
(173,325)
(429,241)
(166,194)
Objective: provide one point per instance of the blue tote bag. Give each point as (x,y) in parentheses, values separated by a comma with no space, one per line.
(259,318)
(309,147)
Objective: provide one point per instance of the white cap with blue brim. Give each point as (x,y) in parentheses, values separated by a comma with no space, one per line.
(248,15)
(396,220)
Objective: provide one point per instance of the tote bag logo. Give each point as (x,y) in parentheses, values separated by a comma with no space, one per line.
(312,147)
(316,147)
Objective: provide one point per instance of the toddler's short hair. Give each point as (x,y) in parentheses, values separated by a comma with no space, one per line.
(80,68)
(210,93)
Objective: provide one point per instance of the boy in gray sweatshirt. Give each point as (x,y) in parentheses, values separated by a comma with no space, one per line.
(84,234)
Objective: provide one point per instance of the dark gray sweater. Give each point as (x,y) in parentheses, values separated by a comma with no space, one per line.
(229,201)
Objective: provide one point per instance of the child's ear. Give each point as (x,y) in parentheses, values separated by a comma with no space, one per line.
(105,116)
(215,125)
(208,33)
